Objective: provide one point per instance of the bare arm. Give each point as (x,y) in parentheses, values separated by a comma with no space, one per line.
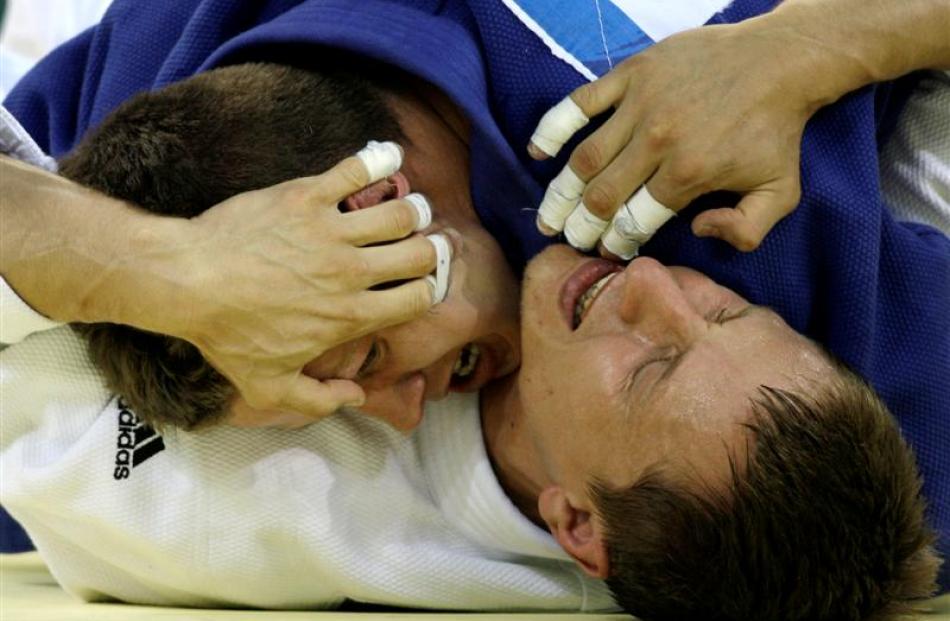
(262,283)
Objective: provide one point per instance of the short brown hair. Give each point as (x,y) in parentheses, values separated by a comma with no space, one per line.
(824,521)
(179,151)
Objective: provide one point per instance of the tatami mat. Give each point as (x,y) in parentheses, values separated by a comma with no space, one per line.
(29,593)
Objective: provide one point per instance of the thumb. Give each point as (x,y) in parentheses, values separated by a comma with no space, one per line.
(746,225)
(320,398)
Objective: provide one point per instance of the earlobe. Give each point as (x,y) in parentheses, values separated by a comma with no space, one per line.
(576,529)
(392,187)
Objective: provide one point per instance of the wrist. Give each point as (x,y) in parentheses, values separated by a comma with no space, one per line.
(807,62)
(146,281)
(838,46)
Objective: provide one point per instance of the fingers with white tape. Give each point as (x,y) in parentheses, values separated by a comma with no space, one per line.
(557,126)
(381,159)
(423,210)
(635,223)
(439,281)
(583,228)
(559,201)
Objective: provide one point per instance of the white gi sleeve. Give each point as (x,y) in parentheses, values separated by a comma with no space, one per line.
(915,161)
(17,319)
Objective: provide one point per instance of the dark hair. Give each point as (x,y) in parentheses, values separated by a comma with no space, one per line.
(824,521)
(184,148)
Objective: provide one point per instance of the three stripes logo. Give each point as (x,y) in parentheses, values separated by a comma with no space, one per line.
(136,443)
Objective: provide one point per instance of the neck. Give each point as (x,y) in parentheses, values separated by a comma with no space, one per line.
(514,457)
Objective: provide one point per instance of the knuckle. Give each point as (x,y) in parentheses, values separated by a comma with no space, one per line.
(657,136)
(586,96)
(354,313)
(601,198)
(689,171)
(297,193)
(588,158)
(357,269)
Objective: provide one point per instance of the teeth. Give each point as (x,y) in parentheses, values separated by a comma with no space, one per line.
(584,302)
(467,361)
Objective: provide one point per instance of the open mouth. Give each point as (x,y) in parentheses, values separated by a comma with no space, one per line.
(466,363)
(476,365)
(582,288)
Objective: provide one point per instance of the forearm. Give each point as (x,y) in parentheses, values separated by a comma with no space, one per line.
(76,255)
(841,45)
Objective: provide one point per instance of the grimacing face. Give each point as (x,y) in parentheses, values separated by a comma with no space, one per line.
(659,369)
(401,367)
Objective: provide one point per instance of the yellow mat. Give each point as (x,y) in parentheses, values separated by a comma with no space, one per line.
(29,593)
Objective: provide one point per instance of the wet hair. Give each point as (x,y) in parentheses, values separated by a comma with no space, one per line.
(182,149)
(822,521)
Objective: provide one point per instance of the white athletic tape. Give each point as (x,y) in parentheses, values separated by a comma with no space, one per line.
(381,159)
(635,223)
(618,246)
(648,213)
(423,210)
(583,228)
(440,281)
(560,199)
(558,125)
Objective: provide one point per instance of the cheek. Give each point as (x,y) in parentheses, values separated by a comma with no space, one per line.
(582,385)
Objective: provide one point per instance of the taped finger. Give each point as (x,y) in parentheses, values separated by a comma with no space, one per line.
(377,160)
(583,228)
(386,222)
(440,280)
(423,210)
(415,257)
(635,223)
(558,125)
(560,199)
(381,159)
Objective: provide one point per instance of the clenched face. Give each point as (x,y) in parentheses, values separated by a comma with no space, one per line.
(459,345)
(627,368)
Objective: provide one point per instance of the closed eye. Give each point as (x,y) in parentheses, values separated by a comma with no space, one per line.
(672,360)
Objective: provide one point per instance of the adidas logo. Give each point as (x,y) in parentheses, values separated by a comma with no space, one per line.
(135,444)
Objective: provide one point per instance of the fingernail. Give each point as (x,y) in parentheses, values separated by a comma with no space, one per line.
(536,153)
(381,159)
(423,210)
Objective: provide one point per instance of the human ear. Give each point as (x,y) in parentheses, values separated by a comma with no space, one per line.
(576,529)
(392,187)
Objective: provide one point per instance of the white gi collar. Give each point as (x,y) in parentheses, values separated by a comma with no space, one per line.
(464,486)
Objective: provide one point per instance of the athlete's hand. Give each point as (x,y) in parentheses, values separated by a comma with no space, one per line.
(716,108)
(279,276)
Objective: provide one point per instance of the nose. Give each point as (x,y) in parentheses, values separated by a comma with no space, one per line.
(654,303)
(398,403)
